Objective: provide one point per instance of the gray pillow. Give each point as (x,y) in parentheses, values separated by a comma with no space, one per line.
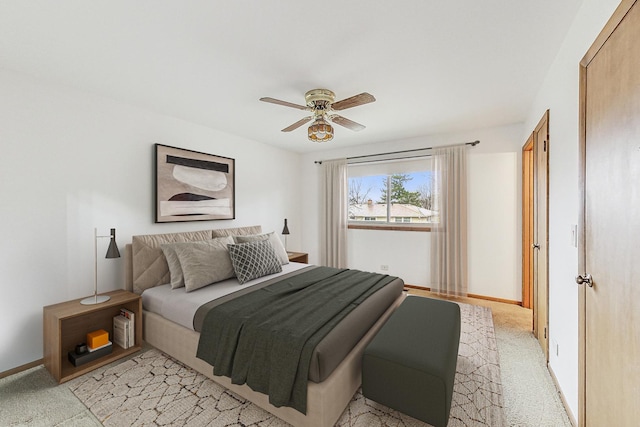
(254,259)
(175,270)
(205,262)
(275,241)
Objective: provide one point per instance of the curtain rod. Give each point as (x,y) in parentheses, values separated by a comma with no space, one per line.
(473,144)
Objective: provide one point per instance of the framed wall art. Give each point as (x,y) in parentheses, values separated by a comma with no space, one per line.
(193,186)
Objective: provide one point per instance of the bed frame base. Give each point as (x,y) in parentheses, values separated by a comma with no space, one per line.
(326,400)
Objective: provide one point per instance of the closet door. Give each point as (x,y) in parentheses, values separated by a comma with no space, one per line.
(541,234)
(610,224)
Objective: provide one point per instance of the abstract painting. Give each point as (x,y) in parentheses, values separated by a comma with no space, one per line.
(193,186)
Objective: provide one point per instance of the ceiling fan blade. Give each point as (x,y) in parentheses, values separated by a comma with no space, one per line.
(285,103)
(297,124)
(349,124)
(354,101)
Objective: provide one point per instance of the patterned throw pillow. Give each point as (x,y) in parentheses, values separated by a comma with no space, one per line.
(279,249)
(253,259)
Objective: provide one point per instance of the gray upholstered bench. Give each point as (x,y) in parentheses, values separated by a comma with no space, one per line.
(410,364)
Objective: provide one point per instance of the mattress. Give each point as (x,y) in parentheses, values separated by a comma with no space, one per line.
(181,307)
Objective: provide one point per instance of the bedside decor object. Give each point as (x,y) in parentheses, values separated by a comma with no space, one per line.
(285,232)
(85,355)
(112,252)
(193,186)
(97,339)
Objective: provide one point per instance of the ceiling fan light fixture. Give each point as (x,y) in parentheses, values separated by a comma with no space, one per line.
(320,131)
(321,105)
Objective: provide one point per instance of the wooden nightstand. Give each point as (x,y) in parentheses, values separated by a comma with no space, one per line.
(67,324)
(301,257)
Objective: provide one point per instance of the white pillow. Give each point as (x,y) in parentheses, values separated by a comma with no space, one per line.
(205,262)
(275,241)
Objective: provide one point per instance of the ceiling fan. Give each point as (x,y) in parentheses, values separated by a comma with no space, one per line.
(321,105)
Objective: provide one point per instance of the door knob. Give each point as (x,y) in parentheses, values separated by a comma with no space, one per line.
(584,278)
(535,246)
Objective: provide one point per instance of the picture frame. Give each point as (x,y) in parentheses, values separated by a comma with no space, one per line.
(193,186)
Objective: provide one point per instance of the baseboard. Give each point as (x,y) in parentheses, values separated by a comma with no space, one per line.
(562,398)
(494,299)
(21,368)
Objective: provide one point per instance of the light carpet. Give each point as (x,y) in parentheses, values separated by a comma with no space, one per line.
(154,389)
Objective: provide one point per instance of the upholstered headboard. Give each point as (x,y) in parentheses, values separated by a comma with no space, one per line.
(145,264)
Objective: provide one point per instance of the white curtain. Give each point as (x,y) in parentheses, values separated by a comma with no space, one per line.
(449,273)
(334,206)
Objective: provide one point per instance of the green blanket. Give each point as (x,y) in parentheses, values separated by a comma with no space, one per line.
(266,338)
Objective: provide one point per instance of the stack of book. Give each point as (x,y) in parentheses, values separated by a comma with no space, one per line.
(124,329)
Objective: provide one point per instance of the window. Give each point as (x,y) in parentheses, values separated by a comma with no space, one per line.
(403,219)
(395,192)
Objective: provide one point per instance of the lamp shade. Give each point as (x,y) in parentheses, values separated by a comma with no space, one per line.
(285,230)
(320,131)
(113,251)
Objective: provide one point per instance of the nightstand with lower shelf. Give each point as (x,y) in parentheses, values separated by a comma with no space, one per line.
(301,257)
(67,324)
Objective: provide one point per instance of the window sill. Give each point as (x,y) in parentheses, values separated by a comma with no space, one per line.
(388,227)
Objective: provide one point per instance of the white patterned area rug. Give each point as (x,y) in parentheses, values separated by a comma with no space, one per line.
(153,389)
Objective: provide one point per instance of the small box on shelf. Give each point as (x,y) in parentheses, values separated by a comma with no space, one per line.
(97,339)
(81,356)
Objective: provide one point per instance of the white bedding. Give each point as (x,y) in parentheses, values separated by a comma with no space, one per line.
(180,306)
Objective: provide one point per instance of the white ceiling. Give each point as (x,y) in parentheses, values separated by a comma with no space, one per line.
(433,66)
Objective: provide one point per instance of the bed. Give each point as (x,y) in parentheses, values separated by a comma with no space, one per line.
(332,383)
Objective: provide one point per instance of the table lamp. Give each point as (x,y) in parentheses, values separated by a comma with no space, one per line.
(112,252)
(285,232)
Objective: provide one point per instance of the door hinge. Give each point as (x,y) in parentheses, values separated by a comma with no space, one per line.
(544,146)
(545,332)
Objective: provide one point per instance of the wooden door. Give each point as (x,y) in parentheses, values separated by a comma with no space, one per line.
(609,304)
(541,233)
(527,223)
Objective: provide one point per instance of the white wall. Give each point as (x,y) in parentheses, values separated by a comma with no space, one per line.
(406,253)
(560,94)
(495,261)
(71,162)
(494,209)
